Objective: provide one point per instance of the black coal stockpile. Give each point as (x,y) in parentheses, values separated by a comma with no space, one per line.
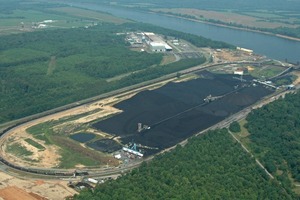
(177,110)
(105,145)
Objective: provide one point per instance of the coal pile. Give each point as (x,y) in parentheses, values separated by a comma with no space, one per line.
(177,110)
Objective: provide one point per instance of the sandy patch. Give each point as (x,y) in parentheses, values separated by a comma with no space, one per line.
(297,81)
(15,193)
(20,189)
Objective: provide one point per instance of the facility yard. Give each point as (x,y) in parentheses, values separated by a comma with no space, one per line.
(177,110)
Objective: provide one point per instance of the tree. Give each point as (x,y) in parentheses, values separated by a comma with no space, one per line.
(235,127)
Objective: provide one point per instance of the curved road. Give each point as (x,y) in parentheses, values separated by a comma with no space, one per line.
(123,168)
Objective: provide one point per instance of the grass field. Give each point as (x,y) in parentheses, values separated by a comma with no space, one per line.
(18,150)
(266,71)
(88,14)
(62,17)
(255,19)
(35,144)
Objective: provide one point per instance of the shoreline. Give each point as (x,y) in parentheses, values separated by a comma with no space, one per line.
(231,27)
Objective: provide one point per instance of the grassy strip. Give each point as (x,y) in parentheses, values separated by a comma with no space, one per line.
(74,154)
(18,150)
(35,144)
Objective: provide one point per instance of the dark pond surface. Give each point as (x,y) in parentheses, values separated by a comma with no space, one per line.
(83,137)
(105,145)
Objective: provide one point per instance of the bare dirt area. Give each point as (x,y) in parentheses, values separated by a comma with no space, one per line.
(13,188)
(234,56)
(297,81)
(49,157)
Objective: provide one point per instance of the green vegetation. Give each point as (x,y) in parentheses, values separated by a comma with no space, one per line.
(275,138)
(235,127)
(265,71)
(18,150)
(72,153)
(212,166)
(17,17)
(57,67)
(35,144)
(41,132)
(72,64)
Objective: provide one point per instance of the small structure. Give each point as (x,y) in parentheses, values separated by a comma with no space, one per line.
(133,150)
(245,50)
(91,180)
(240,71)
(290,87)
(118,156)
(142,127)
(42,26)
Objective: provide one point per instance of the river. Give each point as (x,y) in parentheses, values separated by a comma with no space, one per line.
(269,45)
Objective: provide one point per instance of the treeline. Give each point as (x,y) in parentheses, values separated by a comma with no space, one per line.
(50,68)
(245,5)
(275,137)
(292,32)
(211,166)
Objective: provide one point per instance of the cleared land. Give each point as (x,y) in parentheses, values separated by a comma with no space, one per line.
(61,17)
(14,188)
(228,17)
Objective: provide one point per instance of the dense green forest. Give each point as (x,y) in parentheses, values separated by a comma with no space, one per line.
(44,69)
(275,137)
(211,166)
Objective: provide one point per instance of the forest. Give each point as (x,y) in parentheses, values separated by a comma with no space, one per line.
(275,137)
(45,69)
(210,166)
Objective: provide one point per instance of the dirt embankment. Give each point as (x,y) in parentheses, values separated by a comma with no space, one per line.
(13,188)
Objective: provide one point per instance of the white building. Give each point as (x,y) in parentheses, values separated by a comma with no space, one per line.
(157,46)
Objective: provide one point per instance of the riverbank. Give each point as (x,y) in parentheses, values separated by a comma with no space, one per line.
(228,26)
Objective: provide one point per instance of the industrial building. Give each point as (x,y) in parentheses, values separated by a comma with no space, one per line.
(156,43)
(240,71)
(159,47)
(140,40)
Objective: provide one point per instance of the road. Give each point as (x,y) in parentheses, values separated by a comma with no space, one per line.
(109,171)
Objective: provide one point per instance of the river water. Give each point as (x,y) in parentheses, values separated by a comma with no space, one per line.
(271,46)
